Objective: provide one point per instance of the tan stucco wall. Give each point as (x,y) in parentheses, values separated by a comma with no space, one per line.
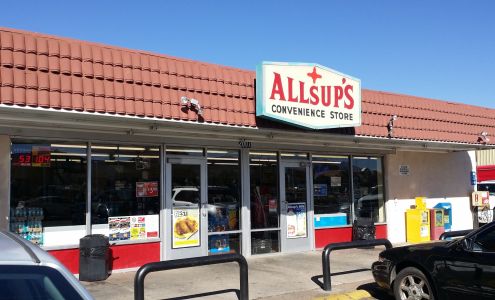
(440,177)
(4,181)
(433,175)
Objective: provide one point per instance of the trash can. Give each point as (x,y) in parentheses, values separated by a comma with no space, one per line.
(363,229)
(93,257)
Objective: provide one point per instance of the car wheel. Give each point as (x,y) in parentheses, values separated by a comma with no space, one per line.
(412,284)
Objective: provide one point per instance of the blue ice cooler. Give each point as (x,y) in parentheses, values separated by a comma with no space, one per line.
(447,217)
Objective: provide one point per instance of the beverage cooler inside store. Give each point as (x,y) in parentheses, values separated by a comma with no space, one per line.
(27,222)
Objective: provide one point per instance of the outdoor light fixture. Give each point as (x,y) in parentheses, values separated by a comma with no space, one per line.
(483,138)
(390,125)
(192,103)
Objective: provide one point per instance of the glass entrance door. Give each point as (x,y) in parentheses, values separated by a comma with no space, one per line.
(295,214)
(186,224)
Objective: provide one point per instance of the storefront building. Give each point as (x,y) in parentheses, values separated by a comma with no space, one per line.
(485,170)
(173,158)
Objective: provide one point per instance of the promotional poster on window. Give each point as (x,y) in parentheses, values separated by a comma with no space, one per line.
(296,220)
(147,189)
(186,227)
(133,227)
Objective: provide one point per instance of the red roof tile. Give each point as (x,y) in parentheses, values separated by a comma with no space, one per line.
(51,72)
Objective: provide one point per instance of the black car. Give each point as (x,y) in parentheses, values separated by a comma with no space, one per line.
(457,269)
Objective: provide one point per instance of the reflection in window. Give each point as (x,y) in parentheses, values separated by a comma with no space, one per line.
(331,190)
(35,282)
(368,188)
(264,190)
(48,187)
(485,241)
(224,190)
(125,181)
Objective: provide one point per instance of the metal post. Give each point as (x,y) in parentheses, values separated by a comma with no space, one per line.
(88,188)
(193,262)
(246,203)
(325,255)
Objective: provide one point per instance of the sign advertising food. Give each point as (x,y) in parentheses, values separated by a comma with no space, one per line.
(307,95)
(125,228)
(296,220)
(185,226)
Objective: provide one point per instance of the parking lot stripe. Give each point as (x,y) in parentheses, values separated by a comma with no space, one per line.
(354,295)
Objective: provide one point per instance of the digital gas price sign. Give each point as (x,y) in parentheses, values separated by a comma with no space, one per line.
(28,155)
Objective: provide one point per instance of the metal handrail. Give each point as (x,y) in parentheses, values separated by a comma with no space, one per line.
(193,262)
(458,233)
(325,255)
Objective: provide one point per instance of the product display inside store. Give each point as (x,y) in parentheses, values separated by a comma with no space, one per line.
(48,193)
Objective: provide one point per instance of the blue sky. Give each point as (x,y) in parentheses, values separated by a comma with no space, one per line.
(436,49)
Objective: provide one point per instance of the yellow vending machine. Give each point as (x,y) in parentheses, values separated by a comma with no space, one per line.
(418,222)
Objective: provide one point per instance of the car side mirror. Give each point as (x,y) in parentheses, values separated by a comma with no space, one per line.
(466,244)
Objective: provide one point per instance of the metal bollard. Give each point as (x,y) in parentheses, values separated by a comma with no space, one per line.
(325,255)
(193,262)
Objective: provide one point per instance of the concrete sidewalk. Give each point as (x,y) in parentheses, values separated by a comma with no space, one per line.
(276,276)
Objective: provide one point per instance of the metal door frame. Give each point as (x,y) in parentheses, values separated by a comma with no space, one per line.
(308,243)
(167,252)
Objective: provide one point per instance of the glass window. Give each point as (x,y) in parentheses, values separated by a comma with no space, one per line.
(186,200)
(265,241)
(294,156)
(48,189)
(368,188)
(331,190)
(224,243)
(185,151)
(224,190)
(485,241)
(125,181)
(264,189)
(35,282)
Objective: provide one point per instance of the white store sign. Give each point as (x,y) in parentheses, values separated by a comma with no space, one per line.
(307,95)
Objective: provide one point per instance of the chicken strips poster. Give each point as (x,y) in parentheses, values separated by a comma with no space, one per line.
(186,227)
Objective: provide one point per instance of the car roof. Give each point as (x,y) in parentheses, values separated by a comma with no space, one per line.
(12,250)
(16,249)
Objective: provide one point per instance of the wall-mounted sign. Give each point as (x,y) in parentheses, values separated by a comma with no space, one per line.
(307,95)
(404,170)
(480,198)
(473,178)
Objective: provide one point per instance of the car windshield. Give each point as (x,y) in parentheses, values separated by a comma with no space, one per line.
(34,282)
